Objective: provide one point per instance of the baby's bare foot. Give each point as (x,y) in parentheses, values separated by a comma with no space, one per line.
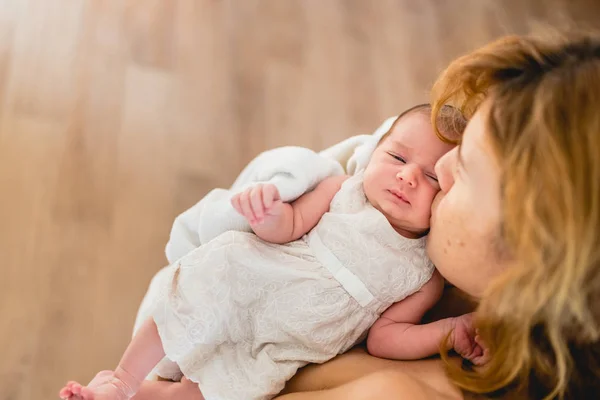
(72,391)
(104,386)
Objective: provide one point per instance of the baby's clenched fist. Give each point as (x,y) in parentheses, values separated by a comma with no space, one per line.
(258,203)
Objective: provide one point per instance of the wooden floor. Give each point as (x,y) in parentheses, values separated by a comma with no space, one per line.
(116,115)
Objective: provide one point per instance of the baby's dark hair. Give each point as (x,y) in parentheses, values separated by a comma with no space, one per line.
(450,121)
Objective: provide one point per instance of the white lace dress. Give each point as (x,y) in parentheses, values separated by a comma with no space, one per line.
(240,316)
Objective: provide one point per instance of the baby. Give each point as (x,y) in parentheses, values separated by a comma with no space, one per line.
(243,312)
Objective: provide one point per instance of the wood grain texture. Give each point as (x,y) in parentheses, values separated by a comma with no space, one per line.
(116,115)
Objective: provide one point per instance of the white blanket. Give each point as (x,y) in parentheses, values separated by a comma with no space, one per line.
(293,170)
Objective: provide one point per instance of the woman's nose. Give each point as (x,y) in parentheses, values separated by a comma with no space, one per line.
(409,175)
(444,169)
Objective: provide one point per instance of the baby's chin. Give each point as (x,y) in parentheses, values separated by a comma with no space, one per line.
(404,226)
(401,221)
(410,233)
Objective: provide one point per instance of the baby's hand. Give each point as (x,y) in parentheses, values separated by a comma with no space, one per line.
(466,342)
(258,203)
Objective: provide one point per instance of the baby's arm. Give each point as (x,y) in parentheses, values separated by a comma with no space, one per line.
(278,222)
(396,334)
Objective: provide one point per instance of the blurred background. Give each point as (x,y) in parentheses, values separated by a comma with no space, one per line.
(117,115)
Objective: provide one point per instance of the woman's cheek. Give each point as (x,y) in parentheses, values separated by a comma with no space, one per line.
(429,209)
(431,195)
(443,210)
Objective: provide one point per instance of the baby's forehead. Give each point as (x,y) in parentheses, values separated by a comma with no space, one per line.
(414,135)
(410,127)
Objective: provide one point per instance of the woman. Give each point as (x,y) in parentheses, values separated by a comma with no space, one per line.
(516,225)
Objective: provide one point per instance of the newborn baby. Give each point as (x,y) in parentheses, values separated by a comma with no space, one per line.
(243,312)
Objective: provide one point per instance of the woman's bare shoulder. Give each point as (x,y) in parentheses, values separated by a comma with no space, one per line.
(358,369)
(384,384)
(394,384)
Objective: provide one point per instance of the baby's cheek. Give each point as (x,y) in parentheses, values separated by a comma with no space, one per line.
(428,198)
(430,193)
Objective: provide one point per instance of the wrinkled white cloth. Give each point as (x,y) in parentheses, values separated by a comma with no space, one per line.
(239,315)
(293,170)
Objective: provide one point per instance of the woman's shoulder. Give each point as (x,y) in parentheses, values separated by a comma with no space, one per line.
(393,384)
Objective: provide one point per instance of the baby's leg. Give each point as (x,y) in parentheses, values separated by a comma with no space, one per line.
(142,354)
(104,386)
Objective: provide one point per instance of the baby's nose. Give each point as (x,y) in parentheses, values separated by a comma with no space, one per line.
(409,175)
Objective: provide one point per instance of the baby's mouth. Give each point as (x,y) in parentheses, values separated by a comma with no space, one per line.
(400,196)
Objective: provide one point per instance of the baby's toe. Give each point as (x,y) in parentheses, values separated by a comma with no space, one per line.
(65,393)
(76,389)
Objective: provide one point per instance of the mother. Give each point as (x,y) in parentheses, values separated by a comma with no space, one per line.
(516,225)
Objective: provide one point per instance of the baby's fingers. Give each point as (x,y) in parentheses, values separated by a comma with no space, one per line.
(235,202)
(246,207)
(65,392)
(483,355)
(270,195)
(256,202)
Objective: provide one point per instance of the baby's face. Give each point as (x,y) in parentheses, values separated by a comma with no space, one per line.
(400,180)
